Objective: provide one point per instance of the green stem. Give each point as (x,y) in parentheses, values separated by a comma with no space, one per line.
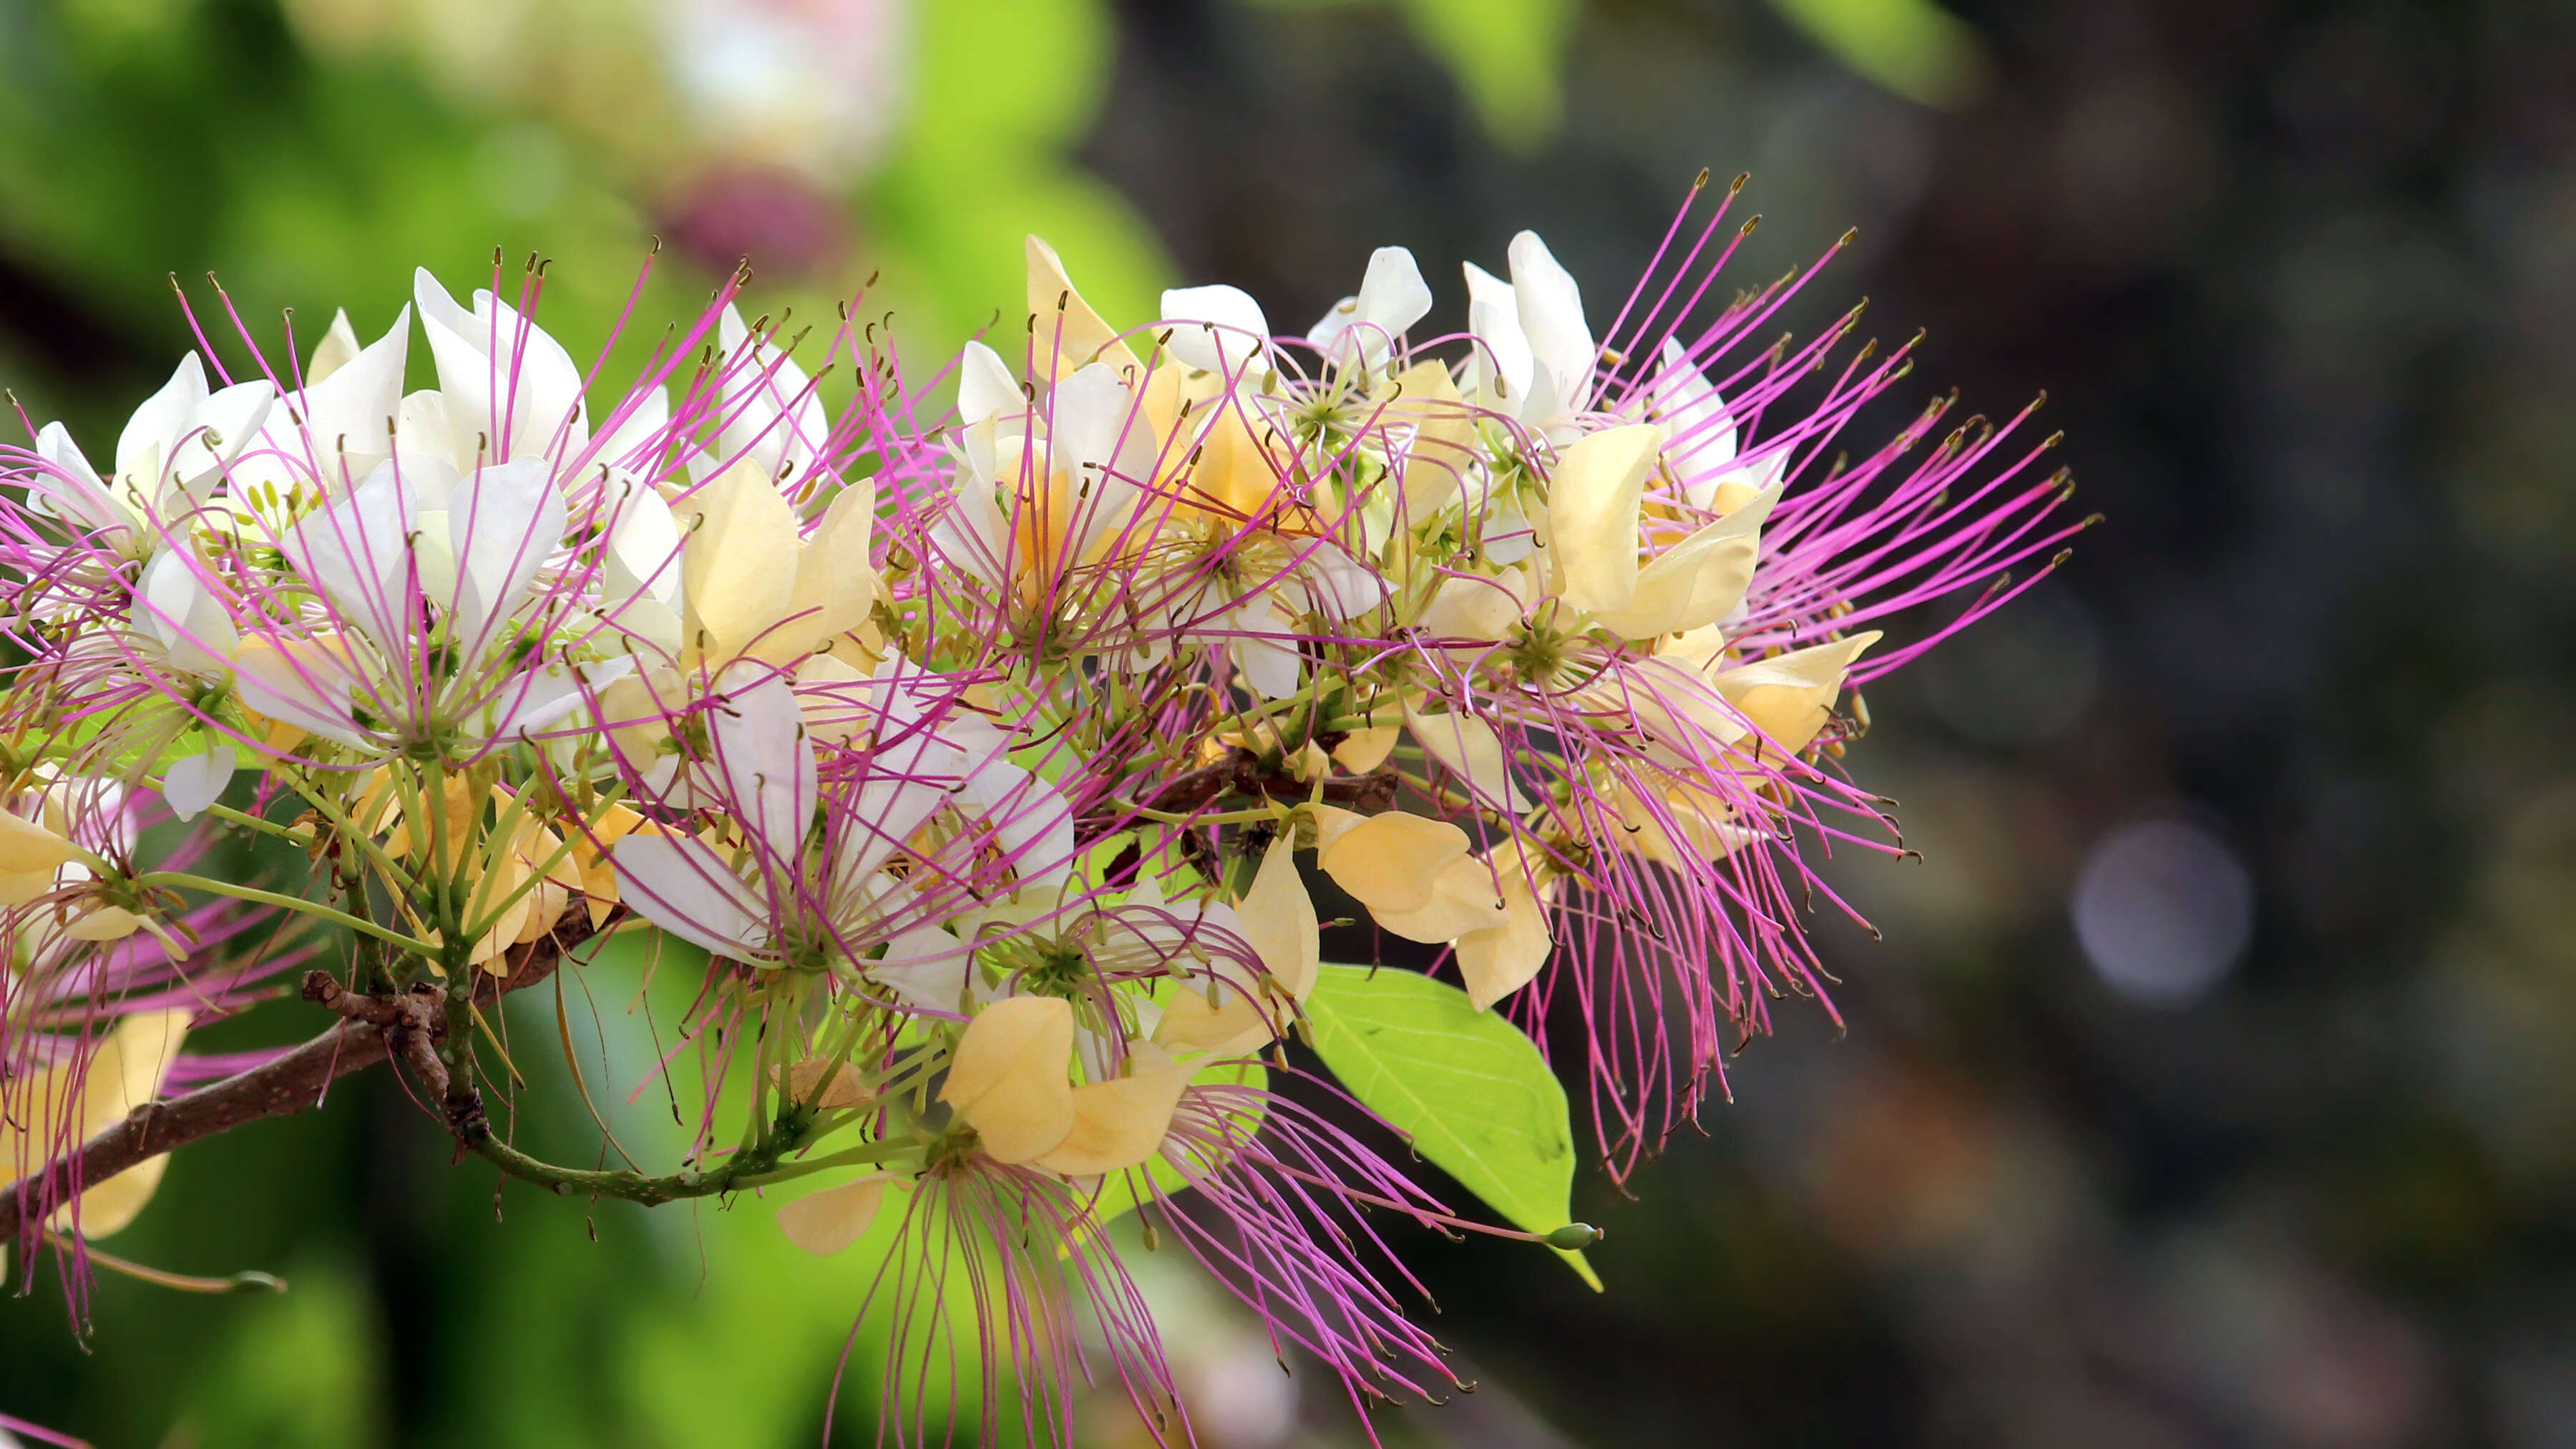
(315,909)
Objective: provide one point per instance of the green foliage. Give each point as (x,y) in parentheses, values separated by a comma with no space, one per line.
(1913,47)
(1506,56)
(301,1370)
(1474,1093)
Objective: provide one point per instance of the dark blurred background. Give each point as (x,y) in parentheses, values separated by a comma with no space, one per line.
(2213,1084)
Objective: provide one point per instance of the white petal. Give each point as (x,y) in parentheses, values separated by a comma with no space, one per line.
(218,431)
(646,418)
(356,552)
(351,412)
(538,699)
(338,347)
(73,487)
(1551,310)
(772,415)
(157,424)
(642,559)
(547,399)
(1392,297)
(1499,370)
(1694,417)
(188,786)
(504,523)
(984,386)
(1030,820)
(925,967)
(185,616)
(682,886)
(1216,328)
(767,766)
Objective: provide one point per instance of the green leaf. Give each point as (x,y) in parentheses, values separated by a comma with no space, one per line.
(1471,1090)
(1506,55)
(1913,47)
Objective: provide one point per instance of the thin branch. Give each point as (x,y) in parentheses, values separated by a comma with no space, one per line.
(290,1084)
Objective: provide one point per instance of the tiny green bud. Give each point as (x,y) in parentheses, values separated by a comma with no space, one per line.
(1573,1236)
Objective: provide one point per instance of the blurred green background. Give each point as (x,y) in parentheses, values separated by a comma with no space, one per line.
(2213,1084)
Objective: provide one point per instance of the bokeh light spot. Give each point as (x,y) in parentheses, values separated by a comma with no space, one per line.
(2164,909)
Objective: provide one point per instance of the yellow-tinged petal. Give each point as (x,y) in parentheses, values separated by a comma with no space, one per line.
(1392,862)
(835,586)
(1118,1123)
(1366,748)
(1475,608)
(1499,960)
(1232,1027)
(842,1090)
(1593,504)
(590,859)
(125,1073)
(1465,898)
(824,1223)
(1332,822)
(1444,440)
(1010,1078)
(1279,919)
(106,923)
(113,1204)
(1469,749)
(735,567)
(1697,581)
(1235,479)
(1789,697)
(1694,825)
(27,848)
(1063,318)
(18,887)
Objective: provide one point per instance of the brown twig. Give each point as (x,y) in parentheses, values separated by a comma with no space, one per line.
(373,1028)
(1241,773)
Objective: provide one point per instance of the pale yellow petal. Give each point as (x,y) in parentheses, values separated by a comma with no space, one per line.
(27,847)
(1444,441)
(1366,748)
(1234,1026)
(1594,498)
(109,1206)
(1332,822)
(1391,862)
(1697,581)
(1499,960)
(106,923)
(1470,750)
(18,887)
(835,587)
(1063,318)
(736,567)
(824,1223)
(1118,1123)
(126,1072)
(1790,696)
(1279,919)
(1465,899)
(1009,1078)
(842,1090)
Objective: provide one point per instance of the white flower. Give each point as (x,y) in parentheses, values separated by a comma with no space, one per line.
(510,392)
(1536,355)
(1392,297)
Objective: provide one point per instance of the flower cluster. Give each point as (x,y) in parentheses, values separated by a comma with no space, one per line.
(1003,758)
